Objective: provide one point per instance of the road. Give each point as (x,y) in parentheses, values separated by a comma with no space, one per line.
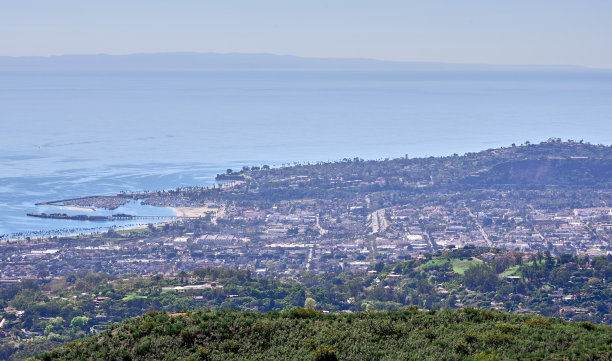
(378,222)
(533,225)
(322,231)
(310,255)
(482,232)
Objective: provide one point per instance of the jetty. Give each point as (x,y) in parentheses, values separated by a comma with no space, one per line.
(84,217)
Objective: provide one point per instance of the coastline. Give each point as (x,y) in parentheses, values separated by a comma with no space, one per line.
(214,212)
(44,238)
(94,233)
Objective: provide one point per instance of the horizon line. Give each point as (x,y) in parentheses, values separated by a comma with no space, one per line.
(395,62)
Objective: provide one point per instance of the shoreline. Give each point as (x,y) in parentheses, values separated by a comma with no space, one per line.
(44,238)
(179,213)
(93,233)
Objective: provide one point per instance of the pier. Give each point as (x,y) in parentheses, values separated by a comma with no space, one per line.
(83,217)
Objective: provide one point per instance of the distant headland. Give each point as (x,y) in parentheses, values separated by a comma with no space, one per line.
(189,61)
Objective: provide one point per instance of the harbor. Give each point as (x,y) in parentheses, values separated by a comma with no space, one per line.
(84,217)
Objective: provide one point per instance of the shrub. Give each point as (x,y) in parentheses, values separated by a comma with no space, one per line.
(229,346)
(486,356)
(412,309)
(508,328)
(310,344)
(125,355)
(461,349)
(587,325)
(472,313)
(203,354)
(146,327)
(324,353)
(264,328)
(429,334)
(143,347)
(537,322)
(497,338)
(189,334)
(469,337)
(47,356)
(299,312)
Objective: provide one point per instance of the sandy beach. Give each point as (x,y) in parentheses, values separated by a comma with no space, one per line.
(193,212)
(75,208)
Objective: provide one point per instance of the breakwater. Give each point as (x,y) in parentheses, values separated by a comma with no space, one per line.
(84,217)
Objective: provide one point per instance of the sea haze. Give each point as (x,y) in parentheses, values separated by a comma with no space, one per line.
(77,133)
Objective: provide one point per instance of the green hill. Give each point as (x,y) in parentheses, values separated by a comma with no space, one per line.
(306,334)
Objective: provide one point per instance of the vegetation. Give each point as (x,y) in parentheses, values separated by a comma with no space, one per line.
(53,312)
(306,334)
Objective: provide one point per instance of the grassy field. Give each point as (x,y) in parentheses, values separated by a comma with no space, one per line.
(460,265)
(133,296)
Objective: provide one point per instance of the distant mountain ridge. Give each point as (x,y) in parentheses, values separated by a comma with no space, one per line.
(238,61)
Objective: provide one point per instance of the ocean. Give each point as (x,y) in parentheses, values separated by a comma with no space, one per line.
(72,134)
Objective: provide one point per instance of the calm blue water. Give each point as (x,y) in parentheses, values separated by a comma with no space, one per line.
(70,134)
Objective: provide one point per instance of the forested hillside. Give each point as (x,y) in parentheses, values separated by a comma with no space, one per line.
(306,334)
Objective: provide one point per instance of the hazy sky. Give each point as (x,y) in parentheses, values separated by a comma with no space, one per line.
(462,31)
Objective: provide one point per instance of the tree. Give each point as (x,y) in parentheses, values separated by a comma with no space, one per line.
(182,276)
(79,322)
(111,233)
(293,231)
(481,277)
(379,266)
(310,303)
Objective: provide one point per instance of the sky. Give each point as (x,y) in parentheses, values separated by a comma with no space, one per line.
(548,32)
